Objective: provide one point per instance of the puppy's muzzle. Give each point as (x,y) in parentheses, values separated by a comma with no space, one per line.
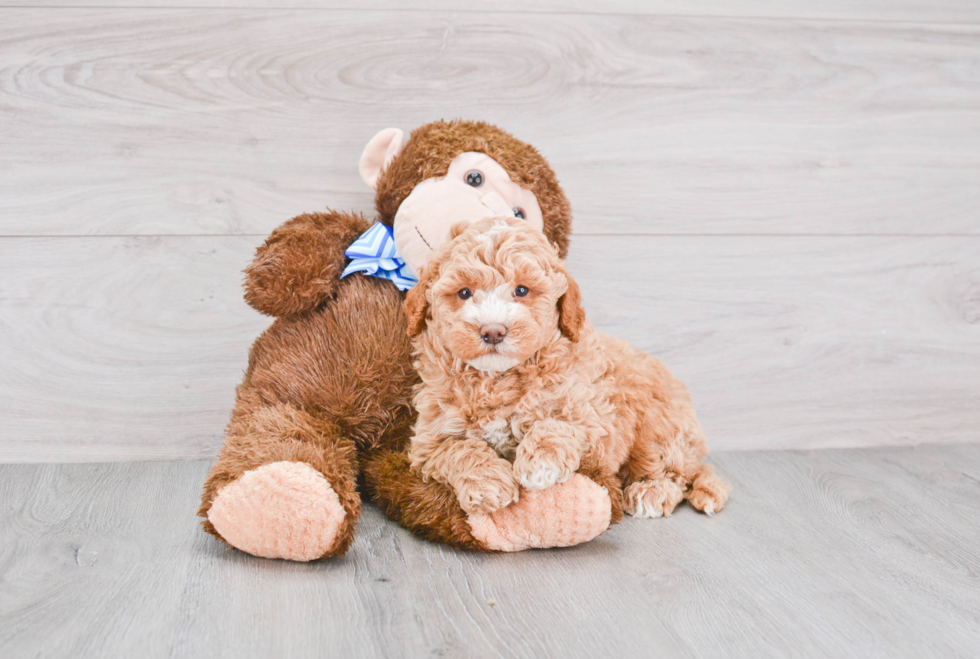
(493,333)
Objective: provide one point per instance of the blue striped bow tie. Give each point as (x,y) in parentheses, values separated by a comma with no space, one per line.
(375,255)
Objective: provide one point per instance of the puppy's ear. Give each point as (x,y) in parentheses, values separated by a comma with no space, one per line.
(457,229)
(416,304)
(571,315)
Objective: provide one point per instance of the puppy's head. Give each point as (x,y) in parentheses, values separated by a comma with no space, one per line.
(495,294)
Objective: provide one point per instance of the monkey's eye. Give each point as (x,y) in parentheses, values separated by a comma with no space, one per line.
(521,291)
(474,177)
(465,294)
(519,212)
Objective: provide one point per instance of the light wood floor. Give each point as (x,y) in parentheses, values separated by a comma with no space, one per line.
(836,553)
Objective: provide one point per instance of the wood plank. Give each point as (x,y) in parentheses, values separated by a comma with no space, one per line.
(130,348)
(885,10)
(852,553)
(128,121)
(121,347)
(801,342)
(104,547)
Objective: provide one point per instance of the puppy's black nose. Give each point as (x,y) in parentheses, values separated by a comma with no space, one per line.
(493,333)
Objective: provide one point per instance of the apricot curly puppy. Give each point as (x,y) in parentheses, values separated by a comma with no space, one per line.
(517,387)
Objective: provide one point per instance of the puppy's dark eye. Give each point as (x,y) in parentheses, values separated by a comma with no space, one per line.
(521,291)
(519,212)
(465,294)
(474,178)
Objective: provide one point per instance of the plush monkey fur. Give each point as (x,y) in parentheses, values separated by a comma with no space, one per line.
(328,388)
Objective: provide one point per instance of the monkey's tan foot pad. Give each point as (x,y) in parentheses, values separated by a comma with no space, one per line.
(279,510)
(571,513)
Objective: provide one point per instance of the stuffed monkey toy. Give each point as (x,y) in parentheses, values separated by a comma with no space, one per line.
(326,399)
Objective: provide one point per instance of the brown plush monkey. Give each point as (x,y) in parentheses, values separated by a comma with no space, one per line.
(327,394)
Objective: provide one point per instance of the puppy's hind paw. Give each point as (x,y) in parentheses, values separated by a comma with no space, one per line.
(709,493)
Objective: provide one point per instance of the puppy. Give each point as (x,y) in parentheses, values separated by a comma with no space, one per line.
(517,387)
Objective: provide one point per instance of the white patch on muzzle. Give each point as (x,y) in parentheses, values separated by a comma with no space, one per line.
(494,307)
(493,362)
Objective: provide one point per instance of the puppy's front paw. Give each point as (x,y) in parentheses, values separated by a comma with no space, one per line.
(543,469)
(488,489)
(652,498)
(542,478)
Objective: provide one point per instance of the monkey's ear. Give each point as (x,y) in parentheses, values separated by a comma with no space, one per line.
(416,303)
(378,154)
(571,315)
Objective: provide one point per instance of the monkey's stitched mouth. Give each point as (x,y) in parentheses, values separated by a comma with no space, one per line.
(423,238)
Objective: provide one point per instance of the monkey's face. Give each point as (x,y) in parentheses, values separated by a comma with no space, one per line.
(474,188)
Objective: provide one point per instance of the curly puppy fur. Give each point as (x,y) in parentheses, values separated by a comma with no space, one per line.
(518,388)
(330,383)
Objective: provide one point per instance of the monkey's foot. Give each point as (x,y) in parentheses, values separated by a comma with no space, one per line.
(563,515)
(279,510)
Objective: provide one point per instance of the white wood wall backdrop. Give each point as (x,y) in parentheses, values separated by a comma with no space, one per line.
(785,208)
(889,10)
(218,121)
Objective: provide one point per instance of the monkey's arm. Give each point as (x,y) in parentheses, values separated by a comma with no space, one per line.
(299,266)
